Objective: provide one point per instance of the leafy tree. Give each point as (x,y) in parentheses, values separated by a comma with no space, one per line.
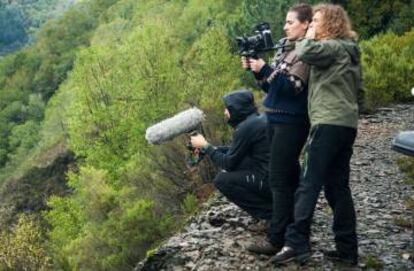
(19,19)
(12,24)
(118,91)
(374,17)
(39,70)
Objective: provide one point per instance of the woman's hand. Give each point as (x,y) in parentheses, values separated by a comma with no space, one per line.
(310,34)
(256,64)
(245,63)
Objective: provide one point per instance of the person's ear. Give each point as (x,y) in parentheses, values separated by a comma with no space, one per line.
(306,25)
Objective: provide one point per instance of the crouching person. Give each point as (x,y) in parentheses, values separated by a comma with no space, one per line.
(244,162)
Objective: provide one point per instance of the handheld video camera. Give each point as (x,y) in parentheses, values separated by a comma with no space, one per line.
(259,42)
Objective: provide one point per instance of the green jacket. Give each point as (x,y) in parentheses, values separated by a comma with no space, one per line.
(334,81)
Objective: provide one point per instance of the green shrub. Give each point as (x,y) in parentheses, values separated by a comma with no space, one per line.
(24,247)
(100,228)
(372,262)
(388,69)
(190,204)
(406,165)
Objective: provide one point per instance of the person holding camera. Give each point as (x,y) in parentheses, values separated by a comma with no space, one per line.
(245,161)
(335,80)
(285,82)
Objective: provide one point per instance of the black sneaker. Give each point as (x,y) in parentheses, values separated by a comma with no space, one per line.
(334,255)
(263,246)
(288,254)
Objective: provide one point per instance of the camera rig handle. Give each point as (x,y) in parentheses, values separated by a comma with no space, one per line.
(195,155)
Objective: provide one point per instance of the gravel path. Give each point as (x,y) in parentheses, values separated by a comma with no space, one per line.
(214,239)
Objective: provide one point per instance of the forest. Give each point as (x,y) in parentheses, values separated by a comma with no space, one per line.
(20,19)
(80,188)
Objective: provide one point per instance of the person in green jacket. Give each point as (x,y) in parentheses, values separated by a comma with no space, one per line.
(330,49)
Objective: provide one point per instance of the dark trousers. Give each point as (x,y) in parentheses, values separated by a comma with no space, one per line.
(327,158)
(247,190)
(287,141)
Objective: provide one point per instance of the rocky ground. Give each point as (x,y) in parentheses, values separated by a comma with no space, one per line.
(215,238)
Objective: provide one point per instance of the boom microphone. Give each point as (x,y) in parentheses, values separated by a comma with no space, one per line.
(184,122)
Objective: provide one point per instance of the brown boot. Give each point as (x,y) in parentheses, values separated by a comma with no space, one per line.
(263,246)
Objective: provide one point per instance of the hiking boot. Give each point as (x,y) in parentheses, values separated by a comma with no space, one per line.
(263,246)
(336,256)
(259,227)
(288,254)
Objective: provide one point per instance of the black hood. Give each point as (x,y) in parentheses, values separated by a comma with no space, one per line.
(240,104)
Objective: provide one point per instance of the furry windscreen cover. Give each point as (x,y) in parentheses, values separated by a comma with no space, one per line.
(183,122)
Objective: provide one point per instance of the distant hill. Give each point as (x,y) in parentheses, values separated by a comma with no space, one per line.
(19,20)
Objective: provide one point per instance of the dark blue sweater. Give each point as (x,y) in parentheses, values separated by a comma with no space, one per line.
(283,102)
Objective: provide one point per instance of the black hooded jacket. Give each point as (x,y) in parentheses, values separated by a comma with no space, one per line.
(249,149)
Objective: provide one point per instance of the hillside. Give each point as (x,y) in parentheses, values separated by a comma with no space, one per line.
(215,238)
